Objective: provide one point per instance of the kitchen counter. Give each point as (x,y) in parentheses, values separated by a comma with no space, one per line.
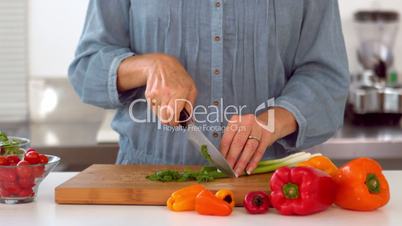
(44,211)
(69,140)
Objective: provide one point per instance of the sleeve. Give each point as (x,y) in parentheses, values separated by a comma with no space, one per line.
(104,44)
(317,90)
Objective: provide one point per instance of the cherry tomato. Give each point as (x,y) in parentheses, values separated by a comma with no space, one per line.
(23,169)
(13,160)
(8,174)
(30,149)
(4,161)
(32,157)
(3,174)
(11,187)
(26,182)
(4,192)
(43,159)
(26,193)
(38,171)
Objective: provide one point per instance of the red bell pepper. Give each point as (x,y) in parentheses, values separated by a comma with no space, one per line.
(301,190)
(256,202)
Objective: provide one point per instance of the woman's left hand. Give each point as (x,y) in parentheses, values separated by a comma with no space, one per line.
(247,137)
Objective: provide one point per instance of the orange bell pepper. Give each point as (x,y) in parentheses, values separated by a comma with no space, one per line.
(361,185)
(322,163)
(227,196)
(207,203)
(184,199)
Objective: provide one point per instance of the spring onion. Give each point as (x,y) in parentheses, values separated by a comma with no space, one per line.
(274,161)
(291,160)
(210,173)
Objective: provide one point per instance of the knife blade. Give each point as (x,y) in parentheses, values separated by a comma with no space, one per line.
(198,138)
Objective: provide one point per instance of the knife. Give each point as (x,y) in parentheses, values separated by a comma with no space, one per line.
(198,139)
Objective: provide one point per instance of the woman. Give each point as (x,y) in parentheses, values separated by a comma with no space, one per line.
(215,54)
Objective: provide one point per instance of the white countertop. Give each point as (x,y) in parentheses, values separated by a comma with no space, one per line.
(44,211)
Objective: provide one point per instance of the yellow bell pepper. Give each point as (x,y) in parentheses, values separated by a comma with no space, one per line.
(227,196)
(184,199)
(322,163)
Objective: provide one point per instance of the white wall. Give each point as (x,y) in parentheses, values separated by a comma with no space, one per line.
(54,29)
(55,26)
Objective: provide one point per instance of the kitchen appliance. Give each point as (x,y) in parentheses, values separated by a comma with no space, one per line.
(126,184)
(375,93)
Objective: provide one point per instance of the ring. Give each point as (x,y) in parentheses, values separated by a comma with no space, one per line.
(154,102)
(254,138)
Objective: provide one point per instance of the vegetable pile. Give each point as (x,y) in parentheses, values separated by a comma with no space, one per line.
(17,176)
(206,174)
(296,188)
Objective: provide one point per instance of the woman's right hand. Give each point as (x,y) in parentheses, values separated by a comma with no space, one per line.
(169,88)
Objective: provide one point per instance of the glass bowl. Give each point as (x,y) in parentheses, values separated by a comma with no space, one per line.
(20,184)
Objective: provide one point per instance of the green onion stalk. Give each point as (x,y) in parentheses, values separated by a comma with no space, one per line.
(267,166)
(209,173)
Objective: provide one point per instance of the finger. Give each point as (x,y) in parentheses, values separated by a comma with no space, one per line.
(176,106)
(189,105)
(248,151)
(164,112)
(258,154)
(153,107)
(152,100)
(155,110)
(238,143)
(228,134)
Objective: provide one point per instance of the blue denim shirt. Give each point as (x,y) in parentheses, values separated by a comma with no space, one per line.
(239,52)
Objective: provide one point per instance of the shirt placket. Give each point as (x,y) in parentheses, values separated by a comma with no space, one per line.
(216,64)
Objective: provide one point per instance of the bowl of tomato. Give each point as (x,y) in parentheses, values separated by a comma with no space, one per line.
(20,176)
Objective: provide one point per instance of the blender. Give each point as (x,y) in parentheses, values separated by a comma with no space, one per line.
(375,93)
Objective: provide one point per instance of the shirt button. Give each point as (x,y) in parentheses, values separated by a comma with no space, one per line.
(217,71)
(216,103)
(217,38)
(215,134)
(217,4)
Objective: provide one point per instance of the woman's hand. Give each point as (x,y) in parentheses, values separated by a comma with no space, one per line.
(169,88)
(246,139)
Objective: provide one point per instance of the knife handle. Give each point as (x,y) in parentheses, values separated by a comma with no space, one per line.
(184,118)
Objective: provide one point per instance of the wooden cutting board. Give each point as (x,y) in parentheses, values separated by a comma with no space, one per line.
(126,184)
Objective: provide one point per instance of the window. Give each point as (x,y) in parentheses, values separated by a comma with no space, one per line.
(13,60)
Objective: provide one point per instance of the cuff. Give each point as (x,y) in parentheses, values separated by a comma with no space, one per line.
(295,140)
(112,81)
